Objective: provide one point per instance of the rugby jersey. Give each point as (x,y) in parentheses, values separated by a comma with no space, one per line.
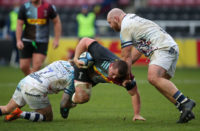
(53,78)
(36,21)
(144,35)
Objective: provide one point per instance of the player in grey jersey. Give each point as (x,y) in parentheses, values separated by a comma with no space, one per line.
(141,36)
(34,89)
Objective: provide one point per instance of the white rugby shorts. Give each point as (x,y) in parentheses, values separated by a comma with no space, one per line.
(166,60)
(26,94)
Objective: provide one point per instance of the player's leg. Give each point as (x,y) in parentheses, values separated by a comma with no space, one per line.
(82,92)
(83,86)
(39,55)
(37,61)
(160,71)
(4,110)
(25,65)
(17,101)
(169,90)
(26,58)
(38,102)
(156,78)
(44,114)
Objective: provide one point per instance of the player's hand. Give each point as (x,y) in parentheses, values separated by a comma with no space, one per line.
(55,44)
(20,45)
(125,82)
(138,117)
(78,63)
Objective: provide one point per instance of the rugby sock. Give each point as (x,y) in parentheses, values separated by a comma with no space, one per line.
(178,106)
(0,112)
(32,116)
(180,98)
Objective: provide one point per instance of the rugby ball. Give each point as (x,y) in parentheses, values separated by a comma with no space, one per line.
(86,57)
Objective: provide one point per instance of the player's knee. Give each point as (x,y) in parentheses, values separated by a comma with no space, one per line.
(36,67)
(152,79)
(82,93)
(82,97)
(24,67)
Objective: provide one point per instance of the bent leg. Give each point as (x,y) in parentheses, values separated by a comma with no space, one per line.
(9,107)
(82,92)
(47,112)
(157,77)
(44,114)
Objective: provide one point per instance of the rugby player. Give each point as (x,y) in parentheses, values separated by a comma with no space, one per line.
(33,44)
(34,89)
(107,68)
(141,36)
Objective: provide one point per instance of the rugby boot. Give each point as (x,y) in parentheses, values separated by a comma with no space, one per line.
(65,111)
(13,115)
(186,111)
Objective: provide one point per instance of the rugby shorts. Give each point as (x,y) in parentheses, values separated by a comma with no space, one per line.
(167,59)
(26,94)
(30,48)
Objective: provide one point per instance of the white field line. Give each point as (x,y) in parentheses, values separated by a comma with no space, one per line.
(188,81)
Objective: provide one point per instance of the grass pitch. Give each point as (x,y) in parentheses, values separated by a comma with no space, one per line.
(110,106)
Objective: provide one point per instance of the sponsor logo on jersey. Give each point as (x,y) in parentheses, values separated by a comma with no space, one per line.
(37,21)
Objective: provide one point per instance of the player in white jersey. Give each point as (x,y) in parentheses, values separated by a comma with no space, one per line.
(34,89)
(141,36)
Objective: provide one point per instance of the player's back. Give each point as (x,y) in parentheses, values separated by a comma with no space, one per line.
(135,29)
(52,78)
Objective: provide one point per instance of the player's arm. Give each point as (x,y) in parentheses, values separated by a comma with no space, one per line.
(57,30)
(19,31)
(19,28)
(132,89)
(135,54)
(135,99)
(126,56)
(80,48)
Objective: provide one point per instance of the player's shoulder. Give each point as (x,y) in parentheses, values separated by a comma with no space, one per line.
(129,17)
(127,21)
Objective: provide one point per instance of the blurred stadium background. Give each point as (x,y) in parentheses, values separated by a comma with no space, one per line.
(180,18)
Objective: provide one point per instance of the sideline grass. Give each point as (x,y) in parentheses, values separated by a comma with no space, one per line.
(110,106)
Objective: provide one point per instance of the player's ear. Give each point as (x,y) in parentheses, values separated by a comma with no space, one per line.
(116,19)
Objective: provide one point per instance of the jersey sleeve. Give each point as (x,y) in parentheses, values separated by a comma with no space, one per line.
(22,13)
(52,11)
(125,37)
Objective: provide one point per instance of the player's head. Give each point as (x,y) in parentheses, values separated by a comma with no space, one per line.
(118,70)
(84,9)
(114,18)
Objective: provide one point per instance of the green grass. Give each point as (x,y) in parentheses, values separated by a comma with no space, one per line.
(110,106)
